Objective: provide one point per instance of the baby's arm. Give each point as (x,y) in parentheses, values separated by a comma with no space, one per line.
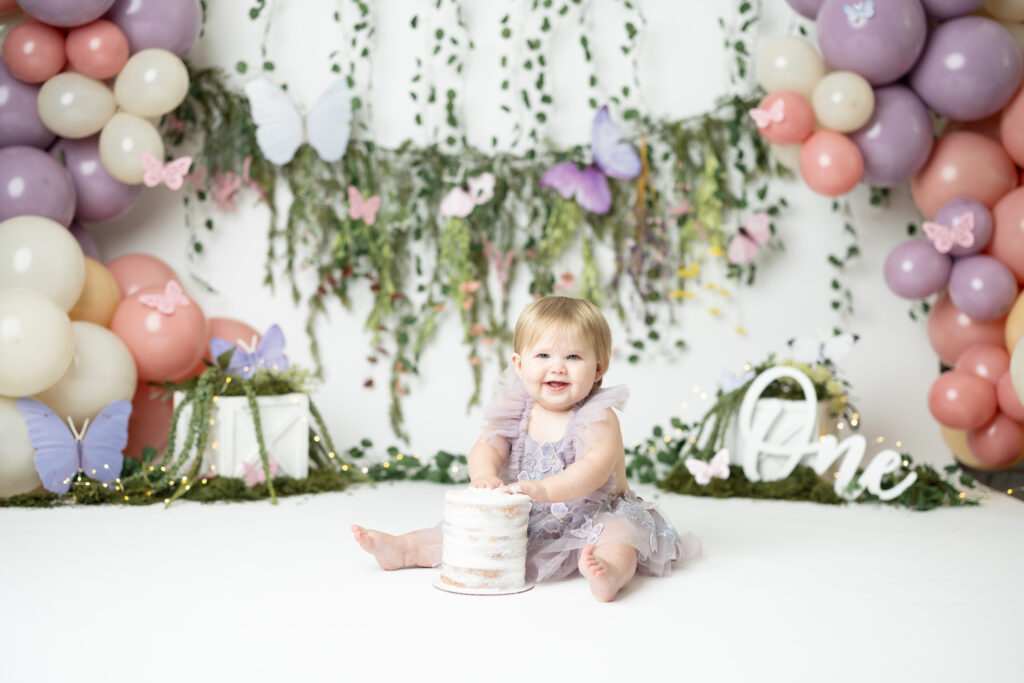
(587,474)
(485,462)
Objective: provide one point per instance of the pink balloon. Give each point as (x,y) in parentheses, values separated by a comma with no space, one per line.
(133,272)
(224,328)
(997,443)
(960,400)
(97,50)
(165,345)
(830,163)
(150,421)
(34,52)
(984,360)
(1007,242)
(1009,402)
(789,123)
(951,331)
(963,165)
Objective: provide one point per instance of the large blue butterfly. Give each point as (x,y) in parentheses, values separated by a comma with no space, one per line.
(62,453)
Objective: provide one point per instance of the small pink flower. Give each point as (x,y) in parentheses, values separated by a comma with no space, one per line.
(469,286)
(399,389)
(468,303)
(566,281)
(489,341)
(475,360)
(477,330)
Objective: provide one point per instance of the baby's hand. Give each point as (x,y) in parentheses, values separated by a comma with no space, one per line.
(534,489)
(487,481)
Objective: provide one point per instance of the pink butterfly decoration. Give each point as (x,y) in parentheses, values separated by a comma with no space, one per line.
(172,174)
(460,202)
(165,302)
(749,238)
(224,187)
(362,208)
(717,467)
(960,234)
(256,475)
(776,113)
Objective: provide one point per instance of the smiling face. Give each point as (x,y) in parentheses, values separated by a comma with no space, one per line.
(558,371)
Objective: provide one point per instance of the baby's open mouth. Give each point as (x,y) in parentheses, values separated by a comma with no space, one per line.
(556,386)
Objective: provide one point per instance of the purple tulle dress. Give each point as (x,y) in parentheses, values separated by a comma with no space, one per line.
(558,531)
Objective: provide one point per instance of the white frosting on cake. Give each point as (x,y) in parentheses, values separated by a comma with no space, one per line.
(485,540)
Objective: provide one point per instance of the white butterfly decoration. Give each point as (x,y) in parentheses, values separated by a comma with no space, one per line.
(703,472)
(834,349)
(279,126)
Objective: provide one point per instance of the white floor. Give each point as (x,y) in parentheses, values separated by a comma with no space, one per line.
(785,592)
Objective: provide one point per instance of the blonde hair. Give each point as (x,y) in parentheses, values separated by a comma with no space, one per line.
(564,316)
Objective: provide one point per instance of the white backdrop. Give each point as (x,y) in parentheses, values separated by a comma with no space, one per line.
(683,69)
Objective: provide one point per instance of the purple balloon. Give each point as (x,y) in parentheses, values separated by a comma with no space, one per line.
(168,24)
(66,13)
(982,287)
(33,183)
(100,196)
(897,140)
(970,69)
(806,8)
(85,241)
(914,270)
(982,223)
(947,9)
(881,43)
(19,113)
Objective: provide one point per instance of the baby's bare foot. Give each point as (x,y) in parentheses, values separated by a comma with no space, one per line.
(388,550)
(605,580)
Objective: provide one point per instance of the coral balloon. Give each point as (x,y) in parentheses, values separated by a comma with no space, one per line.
(987,361)
(961,400)
(963,165)
(785,118)
(101,371)
(970,68)
(998,443)
(172,25)
(981,218)
(122,142)
(133,272)
(914,270)
(34,184)
(947,9)
(956,440)
(41,255)
(98,50)
(982,287)
(36,342)
(1007,243)
(843,101)
(100,296)
(34,52)
(1009,401)
(951,332)
(73,106)
(150,422)
(897,139)
(1011,127)
(17,454)
(165,346)
(830,163)
(881,46)
(19,114)
(152,83)
(789,63)
(101,197)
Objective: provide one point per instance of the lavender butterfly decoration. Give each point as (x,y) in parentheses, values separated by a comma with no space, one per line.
(248,358)
(613,157)
(62,453)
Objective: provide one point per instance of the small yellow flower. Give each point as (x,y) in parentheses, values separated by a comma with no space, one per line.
(819,374)
(833,388)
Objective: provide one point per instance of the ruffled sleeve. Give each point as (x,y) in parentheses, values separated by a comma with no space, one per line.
(594,410)
(503,417)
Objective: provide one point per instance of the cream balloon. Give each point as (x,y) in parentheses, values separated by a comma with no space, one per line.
(1006,10)
(789,63)
(17,454)
(36,342)
(843,101)
(41,254)
(73,106)
(102,371)
(788,156)
(153,82)
(122,143)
